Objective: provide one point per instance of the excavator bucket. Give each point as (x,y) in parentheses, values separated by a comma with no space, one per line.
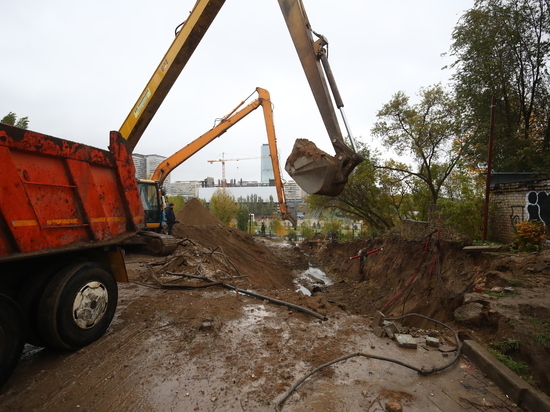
(314,170)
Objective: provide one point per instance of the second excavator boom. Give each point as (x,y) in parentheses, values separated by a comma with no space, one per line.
(228,121)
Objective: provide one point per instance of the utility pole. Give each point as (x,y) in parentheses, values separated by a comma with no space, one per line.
(489,169)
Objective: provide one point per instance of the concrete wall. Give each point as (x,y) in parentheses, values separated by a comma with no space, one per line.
(511,203)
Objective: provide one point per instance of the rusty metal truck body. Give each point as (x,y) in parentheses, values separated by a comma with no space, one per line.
(56,192)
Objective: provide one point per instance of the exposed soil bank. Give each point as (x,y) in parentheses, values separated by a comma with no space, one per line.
(498,297)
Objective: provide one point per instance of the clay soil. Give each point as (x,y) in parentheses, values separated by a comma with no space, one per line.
(183,339)
(510,291)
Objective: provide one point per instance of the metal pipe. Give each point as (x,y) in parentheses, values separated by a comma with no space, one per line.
(351,139)
(489,169)
(257,295)
(337,97)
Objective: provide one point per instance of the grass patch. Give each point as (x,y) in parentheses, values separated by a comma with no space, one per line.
(506,346)
(543,339)
(515,283)
(521,368)
(538,323)
(543,329)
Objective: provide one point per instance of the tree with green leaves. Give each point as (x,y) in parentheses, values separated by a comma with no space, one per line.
(271,208)
(243,216)
(277,227)
(12,120)
(223,206)
(396,189)
(363,198)
(502,49)
(306,230)
(178,202)
(462,204)
(430,132)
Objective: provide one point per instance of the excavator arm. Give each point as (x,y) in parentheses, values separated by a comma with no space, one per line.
(188,38)
(314,170)
(272,141)
(228,121)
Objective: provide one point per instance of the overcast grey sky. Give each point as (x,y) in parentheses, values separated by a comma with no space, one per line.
(76,68)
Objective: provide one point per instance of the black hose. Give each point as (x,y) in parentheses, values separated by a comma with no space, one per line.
(421,371)
(257,295)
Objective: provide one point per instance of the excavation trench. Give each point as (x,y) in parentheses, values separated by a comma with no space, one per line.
(213,349)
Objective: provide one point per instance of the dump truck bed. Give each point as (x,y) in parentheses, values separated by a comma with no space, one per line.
(56,194)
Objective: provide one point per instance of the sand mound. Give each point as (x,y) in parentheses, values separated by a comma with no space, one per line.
(194,213)
(257,266)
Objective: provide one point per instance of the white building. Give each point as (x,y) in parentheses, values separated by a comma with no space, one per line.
(140,165)
(187,189)
(147,164)
(293,192)
(267,166)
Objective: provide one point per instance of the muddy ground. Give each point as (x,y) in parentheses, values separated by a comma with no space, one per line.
(183,340)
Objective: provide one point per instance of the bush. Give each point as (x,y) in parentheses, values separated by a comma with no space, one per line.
(529,235)
(292,235)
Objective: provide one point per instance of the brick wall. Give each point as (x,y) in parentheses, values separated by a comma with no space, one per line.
(511,203)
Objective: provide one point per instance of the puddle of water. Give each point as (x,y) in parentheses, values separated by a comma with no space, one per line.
(303,290)
(254,314)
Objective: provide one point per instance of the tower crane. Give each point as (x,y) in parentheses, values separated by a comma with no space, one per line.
(222,159)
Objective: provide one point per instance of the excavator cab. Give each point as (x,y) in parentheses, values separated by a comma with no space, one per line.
(149,193)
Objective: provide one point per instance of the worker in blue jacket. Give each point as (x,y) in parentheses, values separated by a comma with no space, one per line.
(170,217)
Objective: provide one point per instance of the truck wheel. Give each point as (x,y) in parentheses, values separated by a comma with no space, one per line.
(29,299)
(77,306)
(12,336)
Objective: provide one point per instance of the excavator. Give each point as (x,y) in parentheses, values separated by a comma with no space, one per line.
(60,254)
(314,170)
(229,120)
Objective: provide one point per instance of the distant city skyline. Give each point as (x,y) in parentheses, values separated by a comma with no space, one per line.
(205,187)
(146,164)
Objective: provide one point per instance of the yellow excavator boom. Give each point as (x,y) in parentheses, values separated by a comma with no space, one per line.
(315,171)
(170,67)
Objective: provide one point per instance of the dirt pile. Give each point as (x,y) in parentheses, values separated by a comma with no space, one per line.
(226,253)
(510,292)
(194,213)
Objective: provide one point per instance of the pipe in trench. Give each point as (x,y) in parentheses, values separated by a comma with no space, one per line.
(257,295)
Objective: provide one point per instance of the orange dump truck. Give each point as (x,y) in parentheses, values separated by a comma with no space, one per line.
(64,209)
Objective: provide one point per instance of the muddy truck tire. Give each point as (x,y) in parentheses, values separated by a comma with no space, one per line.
(12,336)
(77,306)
